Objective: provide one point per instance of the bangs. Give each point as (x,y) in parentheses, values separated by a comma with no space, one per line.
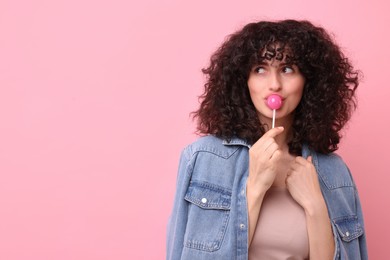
(274,50)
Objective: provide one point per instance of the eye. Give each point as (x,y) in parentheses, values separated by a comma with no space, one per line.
(260,70)
(288,69)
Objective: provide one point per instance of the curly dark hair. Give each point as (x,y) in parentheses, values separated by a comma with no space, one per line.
(226,109)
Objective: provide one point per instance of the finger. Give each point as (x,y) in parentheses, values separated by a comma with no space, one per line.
(268,143)
(263,141)
(269,151)
(300,160)
(288,180)
(289,172)
(261,146)
(274,148)
(268,136)
(275,156)
(310,159)
(274,132)
(294,166)
(271,148)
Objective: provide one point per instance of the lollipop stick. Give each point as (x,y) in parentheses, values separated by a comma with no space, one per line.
(273,118)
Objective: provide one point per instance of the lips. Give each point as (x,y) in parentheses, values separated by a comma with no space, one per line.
(274,101)
(266,98)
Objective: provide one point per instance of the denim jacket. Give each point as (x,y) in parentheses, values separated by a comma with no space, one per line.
(210,216)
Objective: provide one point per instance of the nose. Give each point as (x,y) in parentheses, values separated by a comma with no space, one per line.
(275,83)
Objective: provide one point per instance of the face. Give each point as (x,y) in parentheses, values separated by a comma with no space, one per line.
(280,78)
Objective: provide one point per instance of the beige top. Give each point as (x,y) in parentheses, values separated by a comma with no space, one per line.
(281,231)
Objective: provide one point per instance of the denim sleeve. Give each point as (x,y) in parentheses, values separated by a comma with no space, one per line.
(359,250)
(362,238)
(178,219)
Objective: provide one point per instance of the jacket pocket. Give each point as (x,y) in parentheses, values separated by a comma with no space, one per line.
(349,228)
(208,215)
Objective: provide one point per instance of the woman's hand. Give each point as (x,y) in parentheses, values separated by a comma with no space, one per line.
(263,163)
(302,183)
(263,160)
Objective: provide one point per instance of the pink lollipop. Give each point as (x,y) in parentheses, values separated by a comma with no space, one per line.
(274,102)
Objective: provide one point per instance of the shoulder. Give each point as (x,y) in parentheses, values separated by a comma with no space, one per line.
(214,146)
(333,171)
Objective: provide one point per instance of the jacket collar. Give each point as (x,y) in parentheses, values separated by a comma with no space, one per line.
(306,151)
(236,141)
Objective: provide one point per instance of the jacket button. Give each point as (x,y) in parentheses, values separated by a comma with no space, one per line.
(242,226)
(347,234)
(204,200)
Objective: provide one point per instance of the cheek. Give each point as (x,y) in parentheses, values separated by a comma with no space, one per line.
(299,93)
(252,90)
(255,88)
(296,93)
(298,90)
(255,95)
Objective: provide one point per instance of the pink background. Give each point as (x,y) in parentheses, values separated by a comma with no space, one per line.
(94,104)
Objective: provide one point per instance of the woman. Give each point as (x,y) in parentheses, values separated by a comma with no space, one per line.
(245,190)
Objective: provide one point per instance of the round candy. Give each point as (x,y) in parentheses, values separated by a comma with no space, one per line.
(274,101)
